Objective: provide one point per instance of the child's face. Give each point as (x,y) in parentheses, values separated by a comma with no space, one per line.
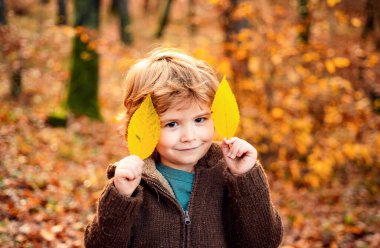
(186,135)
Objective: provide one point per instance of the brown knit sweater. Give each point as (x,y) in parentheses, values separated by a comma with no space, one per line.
(224,211)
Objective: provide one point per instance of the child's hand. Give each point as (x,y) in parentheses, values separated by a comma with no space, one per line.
(239,155)
(128,174)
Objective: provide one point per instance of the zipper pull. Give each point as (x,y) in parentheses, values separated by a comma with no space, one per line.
(187,218)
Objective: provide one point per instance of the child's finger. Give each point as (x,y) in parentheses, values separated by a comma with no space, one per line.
(230,140)
(127,174)
(234,143)
(128,160)
(130,163)
(136,158)
(235,149)
(227,145)
(136,169)
(225,149)
(245,147)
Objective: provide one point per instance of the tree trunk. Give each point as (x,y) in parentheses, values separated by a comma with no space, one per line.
(87,13)
(146,6)
(164,18)
(191,17)
(232,27)
(62,14)
(125,33)
(83,84)
(16,82)
(372,23)
(3,13)
(121,9)
(13,55)
(304,15)
(114,7)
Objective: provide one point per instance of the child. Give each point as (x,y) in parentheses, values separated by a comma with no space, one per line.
(190,192)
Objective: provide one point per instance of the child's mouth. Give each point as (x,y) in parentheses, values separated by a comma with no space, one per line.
(188,149)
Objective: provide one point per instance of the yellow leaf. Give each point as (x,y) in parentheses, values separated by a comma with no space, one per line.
(277,113)
(356,22)
(349,150)
(295,170)
(311,56)
(85,56)
(214,1)
(225,112)
(341,62)
(332,3)
(92,45)
(84,37)
(372,60)
(144,130)
(302,70)
(330,66)
(323,168)
(313,180)
(341,17)
(254,64)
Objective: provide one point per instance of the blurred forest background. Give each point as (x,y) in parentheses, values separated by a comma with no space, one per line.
(306,74)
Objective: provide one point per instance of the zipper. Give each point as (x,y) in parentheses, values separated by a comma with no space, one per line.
(187,218)
(187,212)
(187,223)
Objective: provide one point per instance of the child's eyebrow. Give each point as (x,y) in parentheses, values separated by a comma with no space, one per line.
(203,114)
(206,113)
(168,120)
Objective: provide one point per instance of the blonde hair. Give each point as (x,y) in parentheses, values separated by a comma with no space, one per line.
(172,78)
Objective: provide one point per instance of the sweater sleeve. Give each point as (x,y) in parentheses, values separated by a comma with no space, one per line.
(116,213)
(256,223)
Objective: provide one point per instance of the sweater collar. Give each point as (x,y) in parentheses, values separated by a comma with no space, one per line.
(213,157)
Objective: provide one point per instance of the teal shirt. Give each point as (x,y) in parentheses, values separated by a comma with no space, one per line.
(180,181)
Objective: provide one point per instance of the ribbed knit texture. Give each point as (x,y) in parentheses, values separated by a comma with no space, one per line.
(225,211)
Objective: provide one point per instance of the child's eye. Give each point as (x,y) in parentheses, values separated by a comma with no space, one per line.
(200,120)
(171,124)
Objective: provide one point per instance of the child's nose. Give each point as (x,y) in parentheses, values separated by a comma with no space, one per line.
(187,134)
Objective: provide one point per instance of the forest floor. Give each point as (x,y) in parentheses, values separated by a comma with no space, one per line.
(50,178)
